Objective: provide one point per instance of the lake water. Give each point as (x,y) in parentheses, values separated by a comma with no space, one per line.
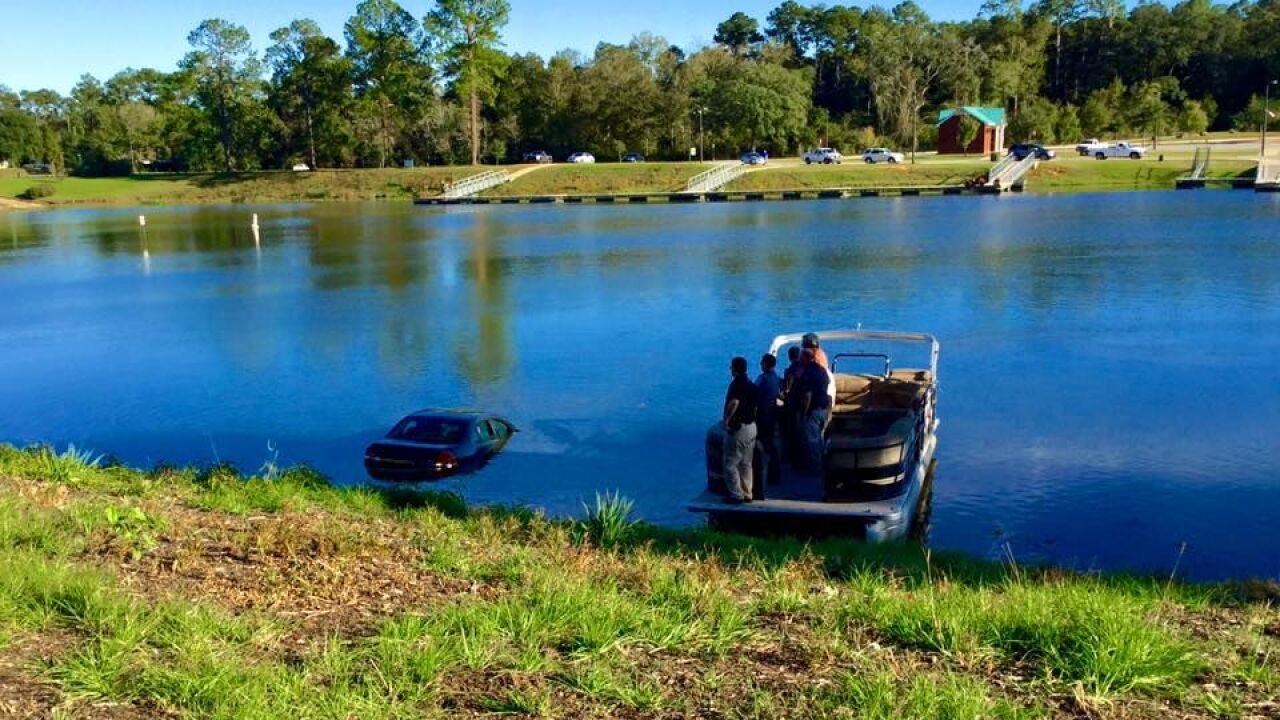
(1108,378)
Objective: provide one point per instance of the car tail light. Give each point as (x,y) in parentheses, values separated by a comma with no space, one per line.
(369,454)
(446,460)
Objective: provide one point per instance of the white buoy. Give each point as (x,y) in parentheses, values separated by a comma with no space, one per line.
(142,221)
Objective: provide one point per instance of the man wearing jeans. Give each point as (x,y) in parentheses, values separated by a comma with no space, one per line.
(739,433)
(815,409)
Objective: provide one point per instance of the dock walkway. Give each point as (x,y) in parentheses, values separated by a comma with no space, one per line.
(714,196)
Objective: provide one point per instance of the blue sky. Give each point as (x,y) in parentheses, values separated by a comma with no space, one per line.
(50,44)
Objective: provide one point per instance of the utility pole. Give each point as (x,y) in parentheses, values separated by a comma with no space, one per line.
(1266,113)
(701,158)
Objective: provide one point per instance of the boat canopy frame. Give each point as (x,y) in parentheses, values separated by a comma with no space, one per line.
(887,335)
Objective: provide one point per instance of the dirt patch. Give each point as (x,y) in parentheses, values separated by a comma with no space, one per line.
(14,204)
(324,574)
(24,694)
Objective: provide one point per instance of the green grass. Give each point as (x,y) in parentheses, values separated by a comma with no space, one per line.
(856,174)
(1085,174)
(267,186)
(600,616)
(602,178)
(1067,173)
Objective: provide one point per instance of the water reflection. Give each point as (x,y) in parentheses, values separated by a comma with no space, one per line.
(1107,391)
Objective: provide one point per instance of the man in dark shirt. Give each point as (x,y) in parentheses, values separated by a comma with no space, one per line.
(769,389)
(815,405)
(789,418)
(739,433)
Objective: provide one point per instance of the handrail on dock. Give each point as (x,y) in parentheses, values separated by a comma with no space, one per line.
(1010,171)
(1268,171)
(715,178)
(1200,163)
(476,183)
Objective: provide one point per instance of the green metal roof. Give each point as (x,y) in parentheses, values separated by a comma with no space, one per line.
(984,115)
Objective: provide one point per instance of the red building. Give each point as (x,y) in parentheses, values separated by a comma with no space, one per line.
(990,137)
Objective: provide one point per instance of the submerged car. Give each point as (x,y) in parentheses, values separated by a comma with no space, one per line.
(434,444)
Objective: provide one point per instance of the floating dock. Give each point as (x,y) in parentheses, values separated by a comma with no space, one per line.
(715,196)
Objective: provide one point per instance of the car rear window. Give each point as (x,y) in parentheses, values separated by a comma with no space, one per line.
(432,430)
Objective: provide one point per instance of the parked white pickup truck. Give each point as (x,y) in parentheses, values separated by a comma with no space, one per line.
(1119,150)
(1086,147)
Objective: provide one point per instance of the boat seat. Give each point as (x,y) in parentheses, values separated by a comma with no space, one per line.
(851,392)
(912,375)
(901,390)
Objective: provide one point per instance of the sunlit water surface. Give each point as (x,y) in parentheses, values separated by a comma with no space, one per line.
(1108,382)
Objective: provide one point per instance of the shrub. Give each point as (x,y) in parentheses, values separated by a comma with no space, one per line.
(609,522)
(35,192)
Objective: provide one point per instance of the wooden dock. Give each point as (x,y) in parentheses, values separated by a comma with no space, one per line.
(713,196)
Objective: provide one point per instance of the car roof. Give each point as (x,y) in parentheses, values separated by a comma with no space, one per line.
(451,414)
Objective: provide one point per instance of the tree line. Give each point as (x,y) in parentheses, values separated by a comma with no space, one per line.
(440,89)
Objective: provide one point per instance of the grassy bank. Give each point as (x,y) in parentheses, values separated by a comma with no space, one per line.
(282,186)
(603,178)
(1087,174)
(204,593)
(856,174)
(1063,174)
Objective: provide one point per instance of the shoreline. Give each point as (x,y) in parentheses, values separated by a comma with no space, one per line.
(201,592)
(787,179)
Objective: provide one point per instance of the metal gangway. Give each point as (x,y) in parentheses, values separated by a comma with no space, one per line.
(1009,172)
(715,178)
(1200,163)
(475,184)
(1268,177)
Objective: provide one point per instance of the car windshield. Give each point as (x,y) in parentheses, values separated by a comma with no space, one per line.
(434,430)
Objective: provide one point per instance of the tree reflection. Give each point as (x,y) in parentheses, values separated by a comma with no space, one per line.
(484,355)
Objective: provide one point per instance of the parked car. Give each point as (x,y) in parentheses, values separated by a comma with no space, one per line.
(1022,150)
(826,156)
(537,156)
(754,158)
(633,157)
(1087,146)
(301,167)
(1119,150)
(582,157)
(872,156)
(434,444)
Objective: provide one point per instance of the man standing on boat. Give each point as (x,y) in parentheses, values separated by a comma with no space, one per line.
(769,387)
(739,433)
(790,416)
(815,405)
(810,342)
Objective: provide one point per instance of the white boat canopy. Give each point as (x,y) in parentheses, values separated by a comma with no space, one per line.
(887,335)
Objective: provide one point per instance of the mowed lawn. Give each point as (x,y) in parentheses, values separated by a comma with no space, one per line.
(1082,174)
(265,186)
(602,178)
(202,593)
(857,174)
